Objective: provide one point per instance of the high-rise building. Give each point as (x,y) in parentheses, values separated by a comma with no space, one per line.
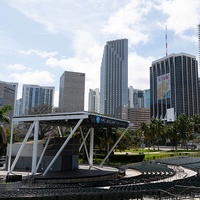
(72,91)
(114,79)
(18,108)
(8,95)
(35,96)
(94,100)
(174,86)
(147,98)
(135,98)
(199,41)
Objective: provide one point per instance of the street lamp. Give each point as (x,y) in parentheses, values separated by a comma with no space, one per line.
(142,139)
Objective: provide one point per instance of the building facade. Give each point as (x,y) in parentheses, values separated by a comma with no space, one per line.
(138,115)
(34,97)
(199,41)
(174,85)
(114,79)
(71,92)
(18,108)
(135,98)
(8,95)
(147,98)
(94,100)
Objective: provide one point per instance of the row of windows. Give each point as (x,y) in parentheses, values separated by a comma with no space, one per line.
(183,79)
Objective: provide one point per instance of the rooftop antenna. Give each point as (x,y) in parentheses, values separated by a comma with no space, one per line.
(166,38)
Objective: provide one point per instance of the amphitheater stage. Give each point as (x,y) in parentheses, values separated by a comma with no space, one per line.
(83,174)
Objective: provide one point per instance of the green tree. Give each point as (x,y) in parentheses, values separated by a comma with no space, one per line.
(172,134)
(105,137)
(44,128)
(152,133)
(159,131)
(195,120)
(144,128)
(127,141)
(4,119)
(183,127)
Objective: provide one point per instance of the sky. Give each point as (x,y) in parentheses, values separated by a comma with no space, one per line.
(40,39)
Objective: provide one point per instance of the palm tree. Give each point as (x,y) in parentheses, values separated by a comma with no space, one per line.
(143,131)
(184,128)
(195,120)
(159,126)
(152,132)
(172,134)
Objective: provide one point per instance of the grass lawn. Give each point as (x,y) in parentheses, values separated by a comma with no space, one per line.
(151,154)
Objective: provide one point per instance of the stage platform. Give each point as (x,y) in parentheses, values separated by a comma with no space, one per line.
(83,174)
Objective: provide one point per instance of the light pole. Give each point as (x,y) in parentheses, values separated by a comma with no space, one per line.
(142,139)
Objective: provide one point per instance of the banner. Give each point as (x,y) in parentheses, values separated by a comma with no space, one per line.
(163,86)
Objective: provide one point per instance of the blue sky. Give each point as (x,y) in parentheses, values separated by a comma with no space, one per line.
(40,39)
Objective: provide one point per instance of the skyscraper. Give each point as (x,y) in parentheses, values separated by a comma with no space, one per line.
(199,41)
(71,92)
(174,85)
(35,96)
(94,100)
(114,79)
(135,98)
(147,98)
(8,95)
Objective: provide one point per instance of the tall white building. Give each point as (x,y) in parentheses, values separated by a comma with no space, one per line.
(35,96)
(114,79)
(94,100)
(135,98)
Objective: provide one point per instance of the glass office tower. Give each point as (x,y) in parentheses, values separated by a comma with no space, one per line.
(174,84)
(114,79)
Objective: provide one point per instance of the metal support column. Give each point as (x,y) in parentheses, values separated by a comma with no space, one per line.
(83,143)
(35,148)
(10,148)
(42,154)
(91,146)
(22,146)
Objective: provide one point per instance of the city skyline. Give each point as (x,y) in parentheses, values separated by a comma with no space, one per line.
(35,44)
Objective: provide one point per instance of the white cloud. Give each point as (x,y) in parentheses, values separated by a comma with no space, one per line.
(138,74)
(42,54)
(87,59)
(181,15)
(127,22)
(36,77)
(58,16)
(86,47)
(18,67)
(91,70)
(90,24)
(33,77)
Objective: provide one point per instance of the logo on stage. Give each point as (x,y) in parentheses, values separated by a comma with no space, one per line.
(98,119)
